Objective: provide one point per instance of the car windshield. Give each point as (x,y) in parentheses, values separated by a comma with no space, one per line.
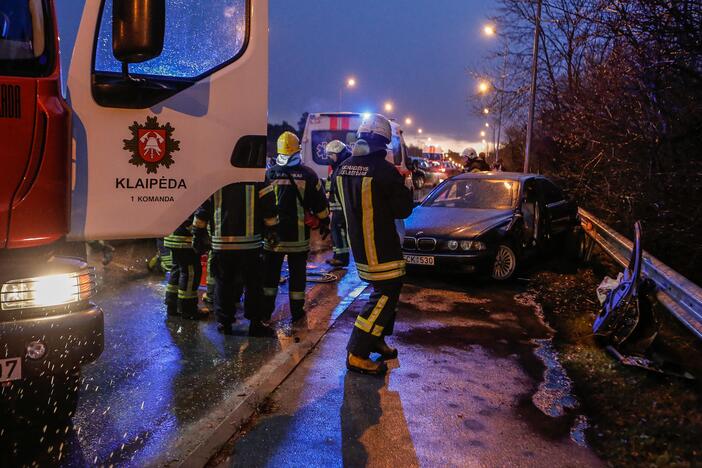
(23,38)
(481,194)
(321,138)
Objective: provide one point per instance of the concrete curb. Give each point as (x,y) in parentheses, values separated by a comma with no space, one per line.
(202,440)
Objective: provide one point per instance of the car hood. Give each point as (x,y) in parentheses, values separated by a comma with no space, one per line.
(454,222)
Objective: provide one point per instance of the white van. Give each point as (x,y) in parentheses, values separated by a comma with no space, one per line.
(325,127)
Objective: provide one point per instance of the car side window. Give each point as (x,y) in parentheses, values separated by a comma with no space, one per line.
(552,194)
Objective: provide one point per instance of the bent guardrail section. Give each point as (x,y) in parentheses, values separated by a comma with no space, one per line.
(680,296)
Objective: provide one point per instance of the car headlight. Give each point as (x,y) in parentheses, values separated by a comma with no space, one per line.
(48,291)
(452,244)
(473,245)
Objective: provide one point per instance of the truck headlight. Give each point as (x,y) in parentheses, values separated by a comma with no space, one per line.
(48,291)
(473,245)
(452,245)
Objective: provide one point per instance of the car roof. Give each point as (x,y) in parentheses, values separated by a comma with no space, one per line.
(516,176)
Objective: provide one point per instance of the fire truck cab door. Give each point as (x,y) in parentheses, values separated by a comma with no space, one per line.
(151,145)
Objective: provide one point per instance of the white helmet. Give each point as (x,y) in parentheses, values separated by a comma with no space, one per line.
(335,147)
(469,153)
(375,125)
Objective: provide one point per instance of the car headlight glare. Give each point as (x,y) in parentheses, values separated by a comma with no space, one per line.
(452,245)
(47,291)
(473,245)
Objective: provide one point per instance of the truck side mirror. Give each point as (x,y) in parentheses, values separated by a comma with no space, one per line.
(138,29)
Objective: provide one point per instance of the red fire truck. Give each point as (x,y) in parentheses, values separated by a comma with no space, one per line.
(164,105)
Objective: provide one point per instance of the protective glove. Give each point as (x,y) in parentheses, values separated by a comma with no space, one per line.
(270,236)
(324,229)
(201,240)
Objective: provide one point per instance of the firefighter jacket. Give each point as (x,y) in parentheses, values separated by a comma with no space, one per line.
(237,214)
(334,201)
(293,233)
(182,237)
(374,195)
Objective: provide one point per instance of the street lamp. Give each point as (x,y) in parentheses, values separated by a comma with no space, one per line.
(389,106)
(420,131)
(489,30)
(408,121)
(483,87)
(482,133)
(486,111)
(350,84)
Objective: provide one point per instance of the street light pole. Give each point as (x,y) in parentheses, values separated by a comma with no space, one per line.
(532,98)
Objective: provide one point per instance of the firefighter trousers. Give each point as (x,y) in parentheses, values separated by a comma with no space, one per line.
(229,268)
(181,291)
(297,267)
(377,319)
(340,241)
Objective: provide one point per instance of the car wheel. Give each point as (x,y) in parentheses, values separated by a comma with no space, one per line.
(505,263)
(419,182)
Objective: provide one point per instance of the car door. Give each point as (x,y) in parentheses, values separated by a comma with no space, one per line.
(558,211)
(151,145)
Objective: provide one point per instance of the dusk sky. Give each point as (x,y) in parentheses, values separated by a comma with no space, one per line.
(412,52)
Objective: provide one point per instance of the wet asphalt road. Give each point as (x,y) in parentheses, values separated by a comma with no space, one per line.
(477,383)
(157,379)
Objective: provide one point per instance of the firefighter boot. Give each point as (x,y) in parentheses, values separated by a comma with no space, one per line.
(260,330)
(365,365)
(386,352)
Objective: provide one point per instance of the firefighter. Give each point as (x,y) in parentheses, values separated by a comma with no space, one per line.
(337,153)
(186,270)
(373,195)
(301,202)
(239,216)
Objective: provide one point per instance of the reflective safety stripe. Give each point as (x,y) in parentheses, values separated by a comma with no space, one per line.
(178,242)
(265,191)
(247,238)
(249,210)
(218,214)
(270,292)
(381,267)
(367,324)
(368,222)
(172,288)
(187,295)
(377,330)
(241,246)
(341,250)
(382,276)
(297,295)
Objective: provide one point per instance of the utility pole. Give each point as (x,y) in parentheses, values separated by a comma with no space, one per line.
(502,105)
(532,98)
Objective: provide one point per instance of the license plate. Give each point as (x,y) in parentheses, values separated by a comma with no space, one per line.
(10,369)
(419,260)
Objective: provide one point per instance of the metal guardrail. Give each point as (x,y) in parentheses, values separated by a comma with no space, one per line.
(680,296)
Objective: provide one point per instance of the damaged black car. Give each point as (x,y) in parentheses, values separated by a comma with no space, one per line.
(490,222)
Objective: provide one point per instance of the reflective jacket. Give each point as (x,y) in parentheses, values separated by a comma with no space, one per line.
(334,202)
(236,215)
(182,237)
(374,195)
(293,233)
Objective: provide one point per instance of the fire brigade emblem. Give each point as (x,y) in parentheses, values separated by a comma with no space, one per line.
(152,145)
